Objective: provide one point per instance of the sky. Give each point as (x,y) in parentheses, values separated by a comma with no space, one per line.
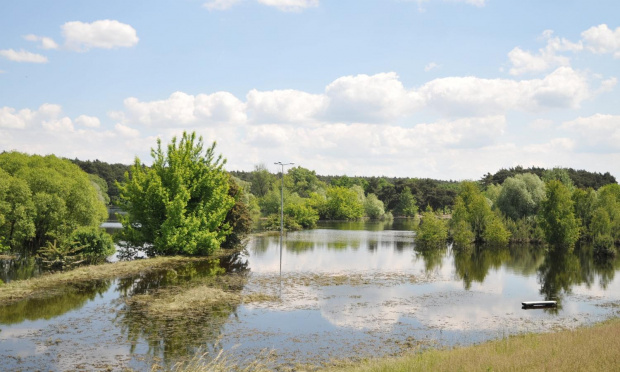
(444,89)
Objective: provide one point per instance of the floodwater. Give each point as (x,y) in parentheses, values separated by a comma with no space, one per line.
(345,291)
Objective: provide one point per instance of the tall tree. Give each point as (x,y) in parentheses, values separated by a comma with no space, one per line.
(180,203)
(557,217)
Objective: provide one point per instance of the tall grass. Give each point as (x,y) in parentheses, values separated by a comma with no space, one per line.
(595,348)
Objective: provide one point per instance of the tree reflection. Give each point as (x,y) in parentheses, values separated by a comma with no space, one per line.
(474,265)
(173,335)
(432,256)
(72,297)
(557,275)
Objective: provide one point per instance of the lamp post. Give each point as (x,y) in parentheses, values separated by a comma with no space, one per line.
(282,208)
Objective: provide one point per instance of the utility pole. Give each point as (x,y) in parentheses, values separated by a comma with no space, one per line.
(282,208)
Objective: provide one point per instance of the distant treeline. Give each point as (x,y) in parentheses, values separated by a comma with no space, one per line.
(110,173)
(581,178)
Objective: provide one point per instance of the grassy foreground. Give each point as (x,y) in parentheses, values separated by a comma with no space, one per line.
(51,284)
(595,348)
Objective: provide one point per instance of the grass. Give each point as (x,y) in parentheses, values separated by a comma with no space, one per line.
(51,284)
(595,348)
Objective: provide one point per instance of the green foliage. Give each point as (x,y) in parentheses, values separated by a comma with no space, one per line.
(584,204)
(406,205)
(302,213)
(495,233)
(93,243)
(101,187)
(559,174)
(432,231)
(110,173)
(262,181)
(178,205)
(520,196)
(580,178)
(43,199)
(303,181)
(61,255)
(604,246)
(373,207)
(557,218)
(343,204)
(239,217)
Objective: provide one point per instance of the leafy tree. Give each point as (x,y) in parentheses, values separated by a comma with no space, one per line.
(406,205)
(521,195)
(495,233)
(584,203)
(557,217)
(559,174)
(432,231)
(373,207)
(262,180)
(303,181)
(239,217)
(343,204)
(179,204)
(49,194)
(93,243)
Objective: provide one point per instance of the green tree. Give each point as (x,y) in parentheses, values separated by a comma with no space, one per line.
(303,181)
(520,196)
(93,243)
(373,207)
(432,231)
(343,204)
(262,180)
(180,203)
(50,194)
(406,205)
(239,217)
(557,217)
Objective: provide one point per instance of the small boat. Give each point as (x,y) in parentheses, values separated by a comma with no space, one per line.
(534,304)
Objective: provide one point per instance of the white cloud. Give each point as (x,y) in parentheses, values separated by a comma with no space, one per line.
(184,109)
(9,118)
(285,106)
(106,34)
(46,42)
(597,133)
(88,121)
(22,56)
(467,96)
(220,4)
(546,58)
(58,125)
(601,39)
(126,131)
(290,5)
(380,97)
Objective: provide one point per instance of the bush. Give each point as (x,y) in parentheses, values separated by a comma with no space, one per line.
(432,231)
(94,243)
(604,246)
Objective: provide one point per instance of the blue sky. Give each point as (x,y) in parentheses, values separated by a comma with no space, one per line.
(448,89)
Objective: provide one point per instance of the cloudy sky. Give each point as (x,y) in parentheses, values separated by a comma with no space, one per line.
(447,89)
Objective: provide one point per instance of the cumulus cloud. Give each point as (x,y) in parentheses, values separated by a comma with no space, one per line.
(22,56)
(45,42)
(601,39)
(126,131)
(285,106)
(105,34)
(598,133)
(563,88)
(185,109)
(88,121)
(527,62)
(370,98)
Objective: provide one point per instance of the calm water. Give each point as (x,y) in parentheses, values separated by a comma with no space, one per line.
(346,290)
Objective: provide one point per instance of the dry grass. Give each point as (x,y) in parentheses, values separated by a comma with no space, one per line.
(54,283)
(595,348)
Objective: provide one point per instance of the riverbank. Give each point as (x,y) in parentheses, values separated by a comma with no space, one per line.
(594,348)
(51,284)
(591,348)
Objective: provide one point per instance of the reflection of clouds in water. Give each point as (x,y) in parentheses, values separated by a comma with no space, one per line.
(377,309)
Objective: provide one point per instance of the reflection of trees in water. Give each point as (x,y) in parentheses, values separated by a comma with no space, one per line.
(72,297)
(525,258)
(473,265)
(298,246)
(172,336)
(562,270)
(176,336)
(557,275)
(432,256)
(19,269)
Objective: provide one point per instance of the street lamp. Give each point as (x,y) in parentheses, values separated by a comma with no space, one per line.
(282,208)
